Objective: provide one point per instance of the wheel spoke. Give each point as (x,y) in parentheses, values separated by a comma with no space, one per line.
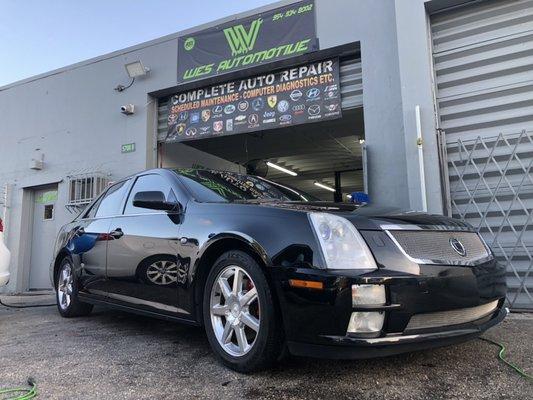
(241,339)
(237,281)
(219,310)
(226,335)
(250,321)
(224,287)
(248,297)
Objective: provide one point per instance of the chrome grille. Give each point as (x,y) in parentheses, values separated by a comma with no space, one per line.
(452,317)
(435,246)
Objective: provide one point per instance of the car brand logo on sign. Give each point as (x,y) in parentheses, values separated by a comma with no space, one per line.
(253,119)
(331,92)
(218,126)
(183,116)
(258,104)
(191,132)
(206,114)
(313,94)
(269,114)
(296,95)
(458,246)
(332,107)
(229,109)
(240,118)
(243,106)
(180,128)
(283,106)
(314,110)
(195,118)
(229,125)
(272,100)
(217,109)
(204,130)
(298,109)
(285,118)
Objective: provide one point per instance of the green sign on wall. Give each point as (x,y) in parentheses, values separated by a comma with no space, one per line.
(128,148)
(47,197)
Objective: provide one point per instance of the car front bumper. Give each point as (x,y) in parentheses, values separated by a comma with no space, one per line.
(346,347)
(316,321)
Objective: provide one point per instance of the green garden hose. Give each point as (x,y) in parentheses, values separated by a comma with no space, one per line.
(501,354)
(21,393)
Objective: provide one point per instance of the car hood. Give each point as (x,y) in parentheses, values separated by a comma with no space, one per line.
(377,218)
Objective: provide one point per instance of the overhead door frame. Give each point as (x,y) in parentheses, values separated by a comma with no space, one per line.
(481,54)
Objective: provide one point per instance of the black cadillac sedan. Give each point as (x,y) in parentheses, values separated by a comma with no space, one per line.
(264,268)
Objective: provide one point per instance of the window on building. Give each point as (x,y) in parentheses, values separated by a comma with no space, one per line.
(48,212)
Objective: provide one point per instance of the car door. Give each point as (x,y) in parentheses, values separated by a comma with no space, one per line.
(142,264)
(91,237)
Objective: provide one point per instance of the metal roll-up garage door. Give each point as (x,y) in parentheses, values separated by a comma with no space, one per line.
(483,59)
(351,93)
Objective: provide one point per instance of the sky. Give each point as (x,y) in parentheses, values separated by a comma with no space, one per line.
(37,36)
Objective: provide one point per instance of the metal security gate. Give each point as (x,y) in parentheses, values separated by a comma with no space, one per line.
(351,93)
(483,58)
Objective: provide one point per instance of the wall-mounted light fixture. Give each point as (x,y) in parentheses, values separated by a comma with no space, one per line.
(134,69)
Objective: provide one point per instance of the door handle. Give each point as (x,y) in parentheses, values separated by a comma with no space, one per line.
(116,234)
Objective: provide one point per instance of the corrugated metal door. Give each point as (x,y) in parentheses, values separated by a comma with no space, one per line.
(483,58)
(351,93)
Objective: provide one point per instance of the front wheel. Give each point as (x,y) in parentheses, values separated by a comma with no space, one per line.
(68,303)
(239,314)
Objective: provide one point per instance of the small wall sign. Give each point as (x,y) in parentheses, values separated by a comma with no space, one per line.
(128,148)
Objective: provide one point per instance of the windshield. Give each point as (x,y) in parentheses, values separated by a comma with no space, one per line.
(224,186)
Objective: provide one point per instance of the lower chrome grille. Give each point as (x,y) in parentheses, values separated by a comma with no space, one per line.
(441,247)
(451,317)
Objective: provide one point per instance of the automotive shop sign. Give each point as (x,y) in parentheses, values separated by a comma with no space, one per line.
(306,93)
(274,35)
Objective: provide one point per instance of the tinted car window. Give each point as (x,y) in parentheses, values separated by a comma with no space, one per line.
(148,183)
(223,186)
(112,200)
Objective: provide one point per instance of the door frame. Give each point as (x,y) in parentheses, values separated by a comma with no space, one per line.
(23,264)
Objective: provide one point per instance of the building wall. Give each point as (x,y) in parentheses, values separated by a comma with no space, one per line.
(72,115)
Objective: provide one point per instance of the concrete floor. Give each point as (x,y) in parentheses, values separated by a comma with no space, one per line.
(114,355)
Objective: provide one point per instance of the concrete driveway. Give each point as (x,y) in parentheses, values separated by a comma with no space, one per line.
(114,355)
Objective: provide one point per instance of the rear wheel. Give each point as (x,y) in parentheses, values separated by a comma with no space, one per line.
(239,314)
(68,303)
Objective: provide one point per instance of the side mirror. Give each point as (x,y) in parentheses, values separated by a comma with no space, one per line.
(154,200)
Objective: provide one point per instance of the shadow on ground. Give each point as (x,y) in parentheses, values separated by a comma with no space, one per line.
(112,355)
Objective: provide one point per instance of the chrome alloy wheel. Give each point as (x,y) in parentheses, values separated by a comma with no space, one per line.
(234,309)
(64,287)
(162,272)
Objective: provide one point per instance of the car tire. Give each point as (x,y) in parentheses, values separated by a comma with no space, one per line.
(246,350)
(68,303)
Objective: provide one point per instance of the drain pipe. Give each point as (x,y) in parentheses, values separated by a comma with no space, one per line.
(419,143)
(5,214)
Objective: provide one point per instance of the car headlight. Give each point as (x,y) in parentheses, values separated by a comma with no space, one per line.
(342,245)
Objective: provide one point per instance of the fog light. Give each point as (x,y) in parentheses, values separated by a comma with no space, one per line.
(366,322)
(372,295)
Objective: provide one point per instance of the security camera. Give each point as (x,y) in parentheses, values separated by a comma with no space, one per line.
(128,109)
